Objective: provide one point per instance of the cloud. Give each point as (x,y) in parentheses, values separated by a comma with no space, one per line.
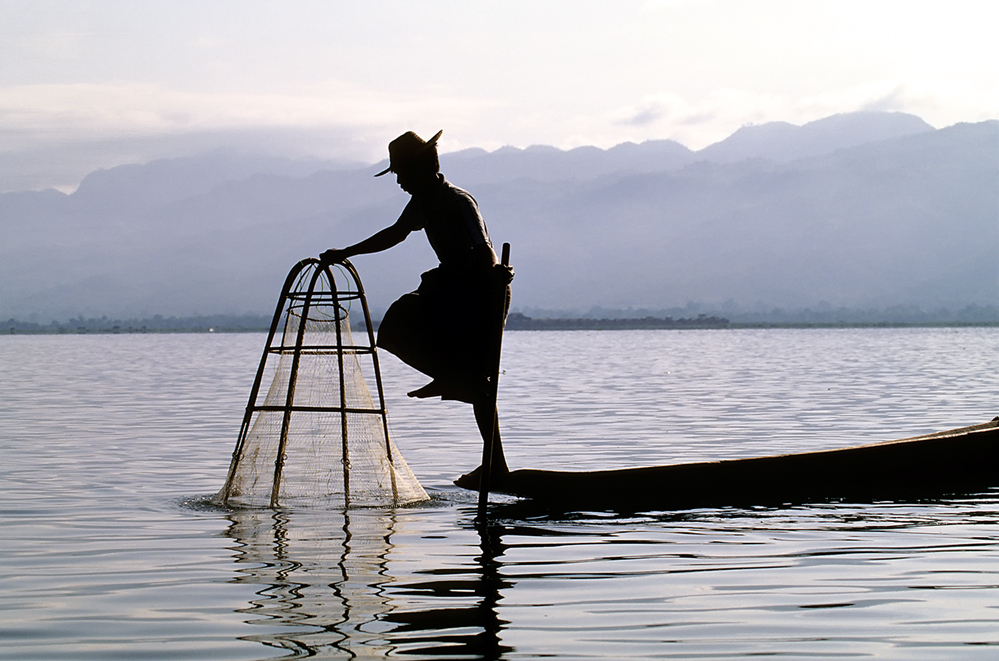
(655,109)
(37,115)
(698,122)
(53,135)
(62,165)
(666,5)
(893,100)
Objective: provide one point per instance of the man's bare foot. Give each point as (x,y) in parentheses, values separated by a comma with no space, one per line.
(444,390)
(432,389)
(471,480)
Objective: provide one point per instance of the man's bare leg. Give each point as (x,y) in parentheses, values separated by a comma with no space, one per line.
(487,419)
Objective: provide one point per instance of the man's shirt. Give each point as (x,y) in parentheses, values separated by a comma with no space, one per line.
(450,217)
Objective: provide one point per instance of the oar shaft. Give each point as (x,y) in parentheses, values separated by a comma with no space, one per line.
(490,440)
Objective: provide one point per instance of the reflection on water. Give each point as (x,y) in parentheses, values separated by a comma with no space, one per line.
(321,585)
(889,580)
(104,438)
(325,588)
(473,630)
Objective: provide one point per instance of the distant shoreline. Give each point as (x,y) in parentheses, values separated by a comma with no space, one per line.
(515,322)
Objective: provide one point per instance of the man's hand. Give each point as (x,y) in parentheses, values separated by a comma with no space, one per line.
(502,274)
(332,256)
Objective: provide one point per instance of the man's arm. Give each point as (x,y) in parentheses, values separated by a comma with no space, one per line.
(377,242)
(485,261)
(483,257)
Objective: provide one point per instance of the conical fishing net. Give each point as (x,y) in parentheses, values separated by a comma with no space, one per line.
(318,438)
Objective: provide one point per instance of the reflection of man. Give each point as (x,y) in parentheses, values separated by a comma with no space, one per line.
(448,327)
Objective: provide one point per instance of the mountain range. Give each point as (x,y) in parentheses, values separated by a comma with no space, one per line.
(863,210)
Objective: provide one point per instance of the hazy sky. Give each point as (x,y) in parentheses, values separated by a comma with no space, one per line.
(137,80)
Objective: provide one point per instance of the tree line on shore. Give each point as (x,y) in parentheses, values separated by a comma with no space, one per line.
(972,315)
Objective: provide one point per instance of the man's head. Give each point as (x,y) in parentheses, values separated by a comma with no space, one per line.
(412,157)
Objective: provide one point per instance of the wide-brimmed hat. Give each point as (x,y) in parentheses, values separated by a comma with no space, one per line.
(407,147)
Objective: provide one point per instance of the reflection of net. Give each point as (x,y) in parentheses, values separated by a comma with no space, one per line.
(321,580)
(325,441)
(349,584)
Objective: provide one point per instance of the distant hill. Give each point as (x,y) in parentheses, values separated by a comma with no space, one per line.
(783,142)
(539,163)
(856,211)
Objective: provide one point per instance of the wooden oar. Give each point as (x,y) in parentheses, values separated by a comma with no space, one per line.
(487,445)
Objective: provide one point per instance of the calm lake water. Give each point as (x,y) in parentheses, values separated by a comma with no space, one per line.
(111,445)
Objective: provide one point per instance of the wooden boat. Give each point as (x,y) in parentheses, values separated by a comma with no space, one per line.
(957,461)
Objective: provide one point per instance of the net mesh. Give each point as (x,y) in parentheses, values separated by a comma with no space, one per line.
(318,437)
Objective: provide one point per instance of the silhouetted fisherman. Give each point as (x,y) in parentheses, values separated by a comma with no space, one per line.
(447,327)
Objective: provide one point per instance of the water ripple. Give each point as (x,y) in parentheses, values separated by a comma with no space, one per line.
(110,445)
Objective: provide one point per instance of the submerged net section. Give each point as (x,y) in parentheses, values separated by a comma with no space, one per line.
(318,438)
